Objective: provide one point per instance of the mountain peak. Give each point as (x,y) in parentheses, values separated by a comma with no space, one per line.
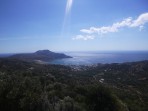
(44,52)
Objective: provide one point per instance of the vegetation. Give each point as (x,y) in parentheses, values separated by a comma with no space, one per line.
(26,86)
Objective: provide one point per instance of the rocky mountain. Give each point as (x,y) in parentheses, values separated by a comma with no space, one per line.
(43,55)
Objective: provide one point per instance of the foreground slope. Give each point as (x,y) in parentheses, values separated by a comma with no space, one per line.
(34,87)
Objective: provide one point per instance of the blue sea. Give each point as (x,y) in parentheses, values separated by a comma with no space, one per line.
(92,58)
(95,57)
(5,55)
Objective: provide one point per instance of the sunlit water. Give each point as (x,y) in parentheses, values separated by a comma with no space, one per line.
(91,58)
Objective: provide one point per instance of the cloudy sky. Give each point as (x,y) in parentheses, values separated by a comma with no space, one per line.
(73,25)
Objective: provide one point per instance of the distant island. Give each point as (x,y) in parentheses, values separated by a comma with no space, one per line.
(40,55)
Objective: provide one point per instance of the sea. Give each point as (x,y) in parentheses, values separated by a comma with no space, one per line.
(6,55)
(97,57)
(103,57)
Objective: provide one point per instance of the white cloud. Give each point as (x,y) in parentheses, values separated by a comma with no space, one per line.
(140,21)
(128,22)
(105,29)
(83,37)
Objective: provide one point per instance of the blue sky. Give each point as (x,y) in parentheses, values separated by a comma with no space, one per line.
(73,25)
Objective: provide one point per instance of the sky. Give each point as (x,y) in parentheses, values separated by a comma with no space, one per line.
(73,25)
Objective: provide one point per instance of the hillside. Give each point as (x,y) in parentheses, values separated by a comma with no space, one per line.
(42,55)
(26,86)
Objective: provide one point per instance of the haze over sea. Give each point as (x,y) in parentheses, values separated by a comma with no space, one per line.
(92,58)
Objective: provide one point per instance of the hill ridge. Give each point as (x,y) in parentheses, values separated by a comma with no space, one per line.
(43,55)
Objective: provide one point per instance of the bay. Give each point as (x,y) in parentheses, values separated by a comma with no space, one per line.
(95,57)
